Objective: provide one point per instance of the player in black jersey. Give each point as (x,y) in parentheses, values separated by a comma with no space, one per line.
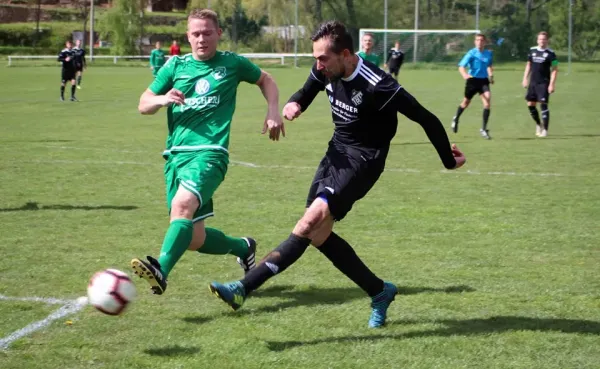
(540,81)
(395,60)
(66,57)
(80,63)
(365,102)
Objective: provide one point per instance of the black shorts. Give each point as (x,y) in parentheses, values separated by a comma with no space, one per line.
(476,86)
(78,67)
(394,70)
(538,92)
(67,75)
(344,176)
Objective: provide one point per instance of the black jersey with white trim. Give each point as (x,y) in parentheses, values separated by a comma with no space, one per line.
(364,109)
(542,61)
(79,56)
(62,57)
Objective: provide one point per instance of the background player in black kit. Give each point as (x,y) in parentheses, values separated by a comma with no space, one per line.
(543,65)
(80,63)
(365,101)
(66,57)
(395,59)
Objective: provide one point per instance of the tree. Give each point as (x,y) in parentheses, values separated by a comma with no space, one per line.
(122,24)
(586,27)
(83,12)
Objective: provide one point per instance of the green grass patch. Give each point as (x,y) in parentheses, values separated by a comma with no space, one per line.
(497,263)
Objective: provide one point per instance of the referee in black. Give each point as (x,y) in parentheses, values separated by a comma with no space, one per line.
(395,60)
(67,58)
(364,102)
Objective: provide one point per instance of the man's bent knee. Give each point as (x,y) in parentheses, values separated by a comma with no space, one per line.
(184,204)
(312,219)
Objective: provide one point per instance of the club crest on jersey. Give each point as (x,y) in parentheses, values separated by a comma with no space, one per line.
(357,97)
(219,73)
(202,87)
(545,55)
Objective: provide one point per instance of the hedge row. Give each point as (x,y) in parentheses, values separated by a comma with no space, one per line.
(54,35)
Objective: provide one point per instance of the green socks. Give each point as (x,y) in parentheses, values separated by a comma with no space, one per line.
(217,243)
(177,240)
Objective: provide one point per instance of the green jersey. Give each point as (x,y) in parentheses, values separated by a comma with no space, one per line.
(373,58)
(210,86)
(157,58)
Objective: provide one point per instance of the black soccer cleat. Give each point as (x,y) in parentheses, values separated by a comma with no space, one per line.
(74,99)
(249,262)
(150,272)
(62,98)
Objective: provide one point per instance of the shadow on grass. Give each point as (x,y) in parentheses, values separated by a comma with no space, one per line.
(468,327)
(317,296)
(33,206)
(174,350)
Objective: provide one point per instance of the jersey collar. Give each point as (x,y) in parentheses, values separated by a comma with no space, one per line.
(355,73)
(538,49)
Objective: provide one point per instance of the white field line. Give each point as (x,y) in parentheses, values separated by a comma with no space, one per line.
(259,166)
(69,307)
(295,167)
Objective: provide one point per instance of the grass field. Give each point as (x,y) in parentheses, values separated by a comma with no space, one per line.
(497,263)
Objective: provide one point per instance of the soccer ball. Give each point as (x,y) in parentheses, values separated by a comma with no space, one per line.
(110,291)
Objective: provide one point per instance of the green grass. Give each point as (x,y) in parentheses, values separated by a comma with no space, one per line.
(497,262)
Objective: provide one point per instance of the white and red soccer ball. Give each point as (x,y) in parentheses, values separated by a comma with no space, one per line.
(110,291)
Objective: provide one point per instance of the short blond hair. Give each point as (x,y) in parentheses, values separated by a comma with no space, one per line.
(204,14)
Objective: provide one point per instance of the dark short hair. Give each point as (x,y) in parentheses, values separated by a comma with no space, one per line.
(339,37)
(480,35)
(543,33)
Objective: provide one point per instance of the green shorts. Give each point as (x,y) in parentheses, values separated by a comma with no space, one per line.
(199,172)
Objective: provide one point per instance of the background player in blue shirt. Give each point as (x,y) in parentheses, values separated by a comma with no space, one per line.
(479,77)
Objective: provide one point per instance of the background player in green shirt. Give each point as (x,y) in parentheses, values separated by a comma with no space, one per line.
(157,59)
(367,43)
(199,90)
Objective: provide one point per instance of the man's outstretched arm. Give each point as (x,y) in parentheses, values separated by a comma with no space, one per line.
(406,104)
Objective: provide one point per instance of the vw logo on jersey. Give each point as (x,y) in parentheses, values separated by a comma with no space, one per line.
(202,87)
(220,73)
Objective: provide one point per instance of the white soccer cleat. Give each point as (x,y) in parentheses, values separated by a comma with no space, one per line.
(544,133)
(538,130)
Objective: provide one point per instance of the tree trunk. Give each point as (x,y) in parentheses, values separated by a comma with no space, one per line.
(428,11)
(352,26)
(528,6)
(319,10)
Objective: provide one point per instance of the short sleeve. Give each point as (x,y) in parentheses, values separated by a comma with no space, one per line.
(464,62)
(553,60)
(385,91)
(247,71)
(163,81)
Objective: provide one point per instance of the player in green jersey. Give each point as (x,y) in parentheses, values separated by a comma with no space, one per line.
(157,59)
(199,91)
(367,54)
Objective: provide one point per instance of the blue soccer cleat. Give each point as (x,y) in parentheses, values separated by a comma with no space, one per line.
(232,293)
(380,304)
